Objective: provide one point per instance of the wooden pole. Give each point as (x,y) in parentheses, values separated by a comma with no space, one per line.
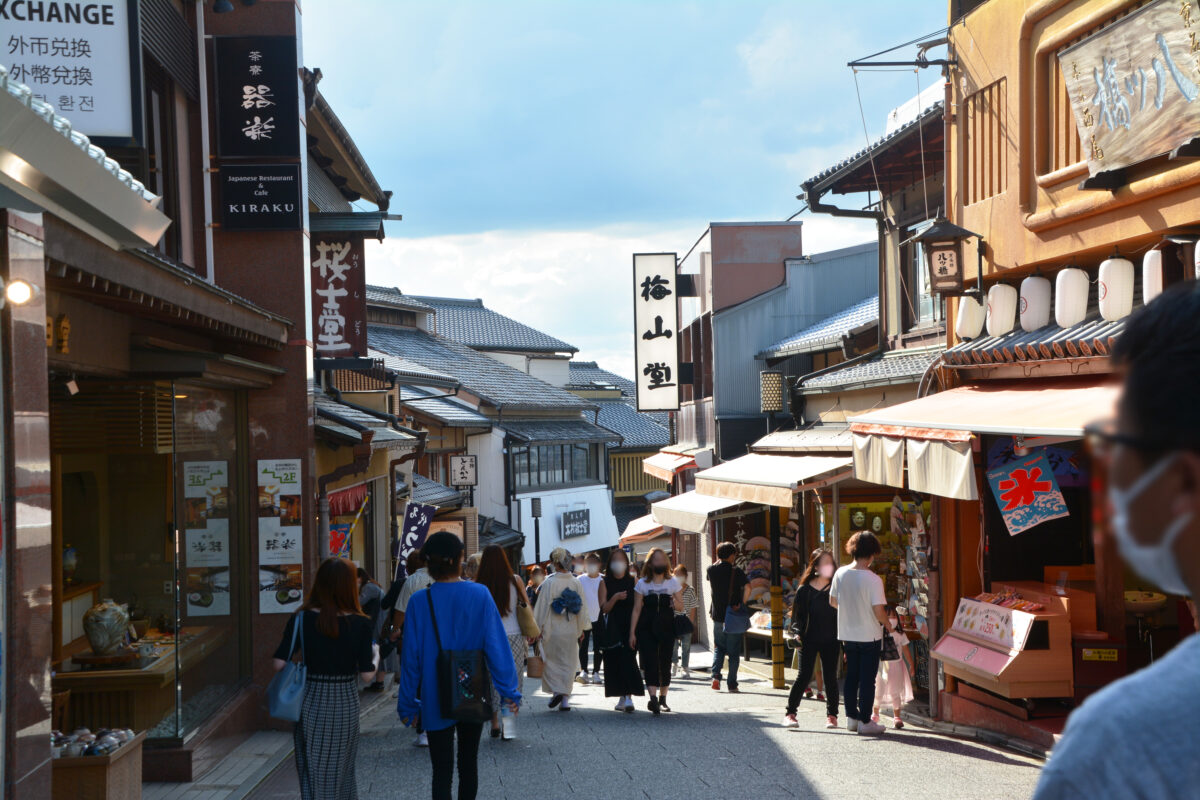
(777,648)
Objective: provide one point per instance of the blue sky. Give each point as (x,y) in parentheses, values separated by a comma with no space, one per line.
(533,146)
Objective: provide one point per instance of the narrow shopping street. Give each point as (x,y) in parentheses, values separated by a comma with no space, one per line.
(715,745)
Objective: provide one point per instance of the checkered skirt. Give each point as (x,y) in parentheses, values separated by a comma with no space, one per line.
(519,646)
(326,738)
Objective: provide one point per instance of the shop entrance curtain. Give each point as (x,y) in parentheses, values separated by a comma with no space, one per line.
(942,468)
(879,460)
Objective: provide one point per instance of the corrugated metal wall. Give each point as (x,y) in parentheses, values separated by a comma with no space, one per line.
(815,290)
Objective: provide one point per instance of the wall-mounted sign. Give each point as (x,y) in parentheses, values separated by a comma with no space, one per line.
(656,340)
(258,102)
(206,537)
(1134,84)
(576,523)
(1027,493)
(261,197)
(280,536)
(462,471)
(339,301)
(81,58)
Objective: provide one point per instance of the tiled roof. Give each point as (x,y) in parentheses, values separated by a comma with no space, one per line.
(483,376)
(627,513)
(431,493)
(383,435)
(827,334)
(890,368)
(389,296)
(557,431)
(411,370)
(499,534)
(475,325)
(589,375)
(637,429)
(446,410)
(879,145)
(1092,337)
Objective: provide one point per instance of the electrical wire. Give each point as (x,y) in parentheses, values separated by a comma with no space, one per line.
(938,32)
(921,134)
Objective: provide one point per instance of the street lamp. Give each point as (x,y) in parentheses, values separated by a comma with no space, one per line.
(535,511)
(770,394)
(944,257)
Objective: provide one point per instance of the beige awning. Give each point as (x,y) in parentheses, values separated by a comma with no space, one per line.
(946,469)
(665,465)
(641,529)
(879,459)
(690,511)
(817,439)
(771,479)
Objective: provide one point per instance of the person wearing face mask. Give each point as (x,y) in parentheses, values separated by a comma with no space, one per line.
(815,628)
(857,594)
(1130,739)
(656,598)
(683,642)
(591,580)
(621,677)
(536,576)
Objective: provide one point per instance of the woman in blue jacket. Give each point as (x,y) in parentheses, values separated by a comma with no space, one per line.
(467,620)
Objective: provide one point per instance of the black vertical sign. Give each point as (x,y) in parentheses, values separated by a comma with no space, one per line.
(258,103)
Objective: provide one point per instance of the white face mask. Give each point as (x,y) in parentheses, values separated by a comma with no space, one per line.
(593,569)
(577,568)
(825,570)
(1154,562)
(617,568)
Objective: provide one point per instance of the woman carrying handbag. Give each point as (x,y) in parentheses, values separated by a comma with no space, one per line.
(454,645)
(495,573)
(335,643)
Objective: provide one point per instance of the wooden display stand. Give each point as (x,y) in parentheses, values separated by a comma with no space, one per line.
(1012,653)
(116,776)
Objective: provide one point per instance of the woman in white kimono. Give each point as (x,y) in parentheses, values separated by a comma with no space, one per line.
(562,619)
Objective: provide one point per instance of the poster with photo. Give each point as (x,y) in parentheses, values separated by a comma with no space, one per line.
(280,536)
(206,538)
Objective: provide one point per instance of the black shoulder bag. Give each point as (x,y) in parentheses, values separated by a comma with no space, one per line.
(464,683)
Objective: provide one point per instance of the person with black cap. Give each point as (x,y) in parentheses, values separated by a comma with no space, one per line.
(467,619)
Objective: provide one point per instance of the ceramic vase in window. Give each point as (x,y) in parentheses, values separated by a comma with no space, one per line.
(105,625)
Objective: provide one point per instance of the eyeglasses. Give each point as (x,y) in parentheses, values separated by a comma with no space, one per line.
(1101,436)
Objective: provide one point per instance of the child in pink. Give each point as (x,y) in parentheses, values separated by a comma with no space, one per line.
(893,681)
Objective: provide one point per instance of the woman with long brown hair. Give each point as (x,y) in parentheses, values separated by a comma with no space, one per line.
(496,575)
(814,627)
(335,640)
(656,598)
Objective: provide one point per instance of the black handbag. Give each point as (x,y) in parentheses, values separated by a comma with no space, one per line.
(464,683)
(683,625)
(888,651)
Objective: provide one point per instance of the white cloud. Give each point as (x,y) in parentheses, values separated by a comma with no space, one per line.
(570,284)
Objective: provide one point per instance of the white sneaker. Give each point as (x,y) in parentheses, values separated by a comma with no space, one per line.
(422,740)
(620,706)
(687,673)
(674,669)
(870,729)
(508,727)
(596,679)
(790,721)
(852,725)
(587,679)
(565,705)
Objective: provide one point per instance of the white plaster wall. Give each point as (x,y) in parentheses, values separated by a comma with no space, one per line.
(554,371)
(597,499)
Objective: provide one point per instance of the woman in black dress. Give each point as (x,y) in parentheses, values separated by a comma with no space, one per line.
(621,676)
(814,626)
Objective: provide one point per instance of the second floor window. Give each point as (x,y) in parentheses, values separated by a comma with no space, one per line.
(542,466)
(919,307)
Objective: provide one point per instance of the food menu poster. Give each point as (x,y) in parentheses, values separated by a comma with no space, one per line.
(280,548)
(986,621)
(206,537)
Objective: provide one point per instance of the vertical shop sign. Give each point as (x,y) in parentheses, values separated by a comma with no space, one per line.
(655,321)
(81,58)
(462,471)
(339,300)
(280,536)
(206,537)
(258,103)
(417,518)
(1134,86)
(1027,493)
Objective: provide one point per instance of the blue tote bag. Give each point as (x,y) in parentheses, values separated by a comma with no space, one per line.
(285,692)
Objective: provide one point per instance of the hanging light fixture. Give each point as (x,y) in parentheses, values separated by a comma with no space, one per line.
(770,389)
(1070,296)
(970,318)
(1115,289)
(1035,303)
(1002,309)
(1152,275)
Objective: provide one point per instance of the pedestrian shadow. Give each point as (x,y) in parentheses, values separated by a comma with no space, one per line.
(929,740)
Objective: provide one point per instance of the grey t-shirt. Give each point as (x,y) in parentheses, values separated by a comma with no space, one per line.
(1133,739)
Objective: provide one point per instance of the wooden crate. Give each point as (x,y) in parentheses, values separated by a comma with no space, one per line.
(117,776)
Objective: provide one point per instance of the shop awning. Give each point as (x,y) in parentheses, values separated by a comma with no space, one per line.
(1025,408)
(690,511)
(770,479)
(817,439)
(641,529)
(665,466)
(347,501)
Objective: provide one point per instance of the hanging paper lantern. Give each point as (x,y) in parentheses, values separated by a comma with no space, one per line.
(1070,297)
(1116,288)
(1196,261)
(1002,309)
(1035,303)
(1152,275)
(970,319)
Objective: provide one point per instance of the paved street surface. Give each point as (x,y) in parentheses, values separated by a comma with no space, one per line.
(714,745)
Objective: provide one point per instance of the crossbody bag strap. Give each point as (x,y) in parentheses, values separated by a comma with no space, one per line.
(522,600)
(433,618)
(732,576)
(297,629)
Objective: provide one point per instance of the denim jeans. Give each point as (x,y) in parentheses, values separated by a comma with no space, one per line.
(726,644)
(682,644)
(862,665)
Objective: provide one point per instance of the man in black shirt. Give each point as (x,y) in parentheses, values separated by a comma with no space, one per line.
(726,583)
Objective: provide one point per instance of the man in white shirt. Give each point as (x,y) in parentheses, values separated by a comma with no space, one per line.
(591,580)
(857,594)
(1130,740)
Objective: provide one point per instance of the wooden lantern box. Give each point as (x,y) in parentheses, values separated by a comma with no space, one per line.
(116,776)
